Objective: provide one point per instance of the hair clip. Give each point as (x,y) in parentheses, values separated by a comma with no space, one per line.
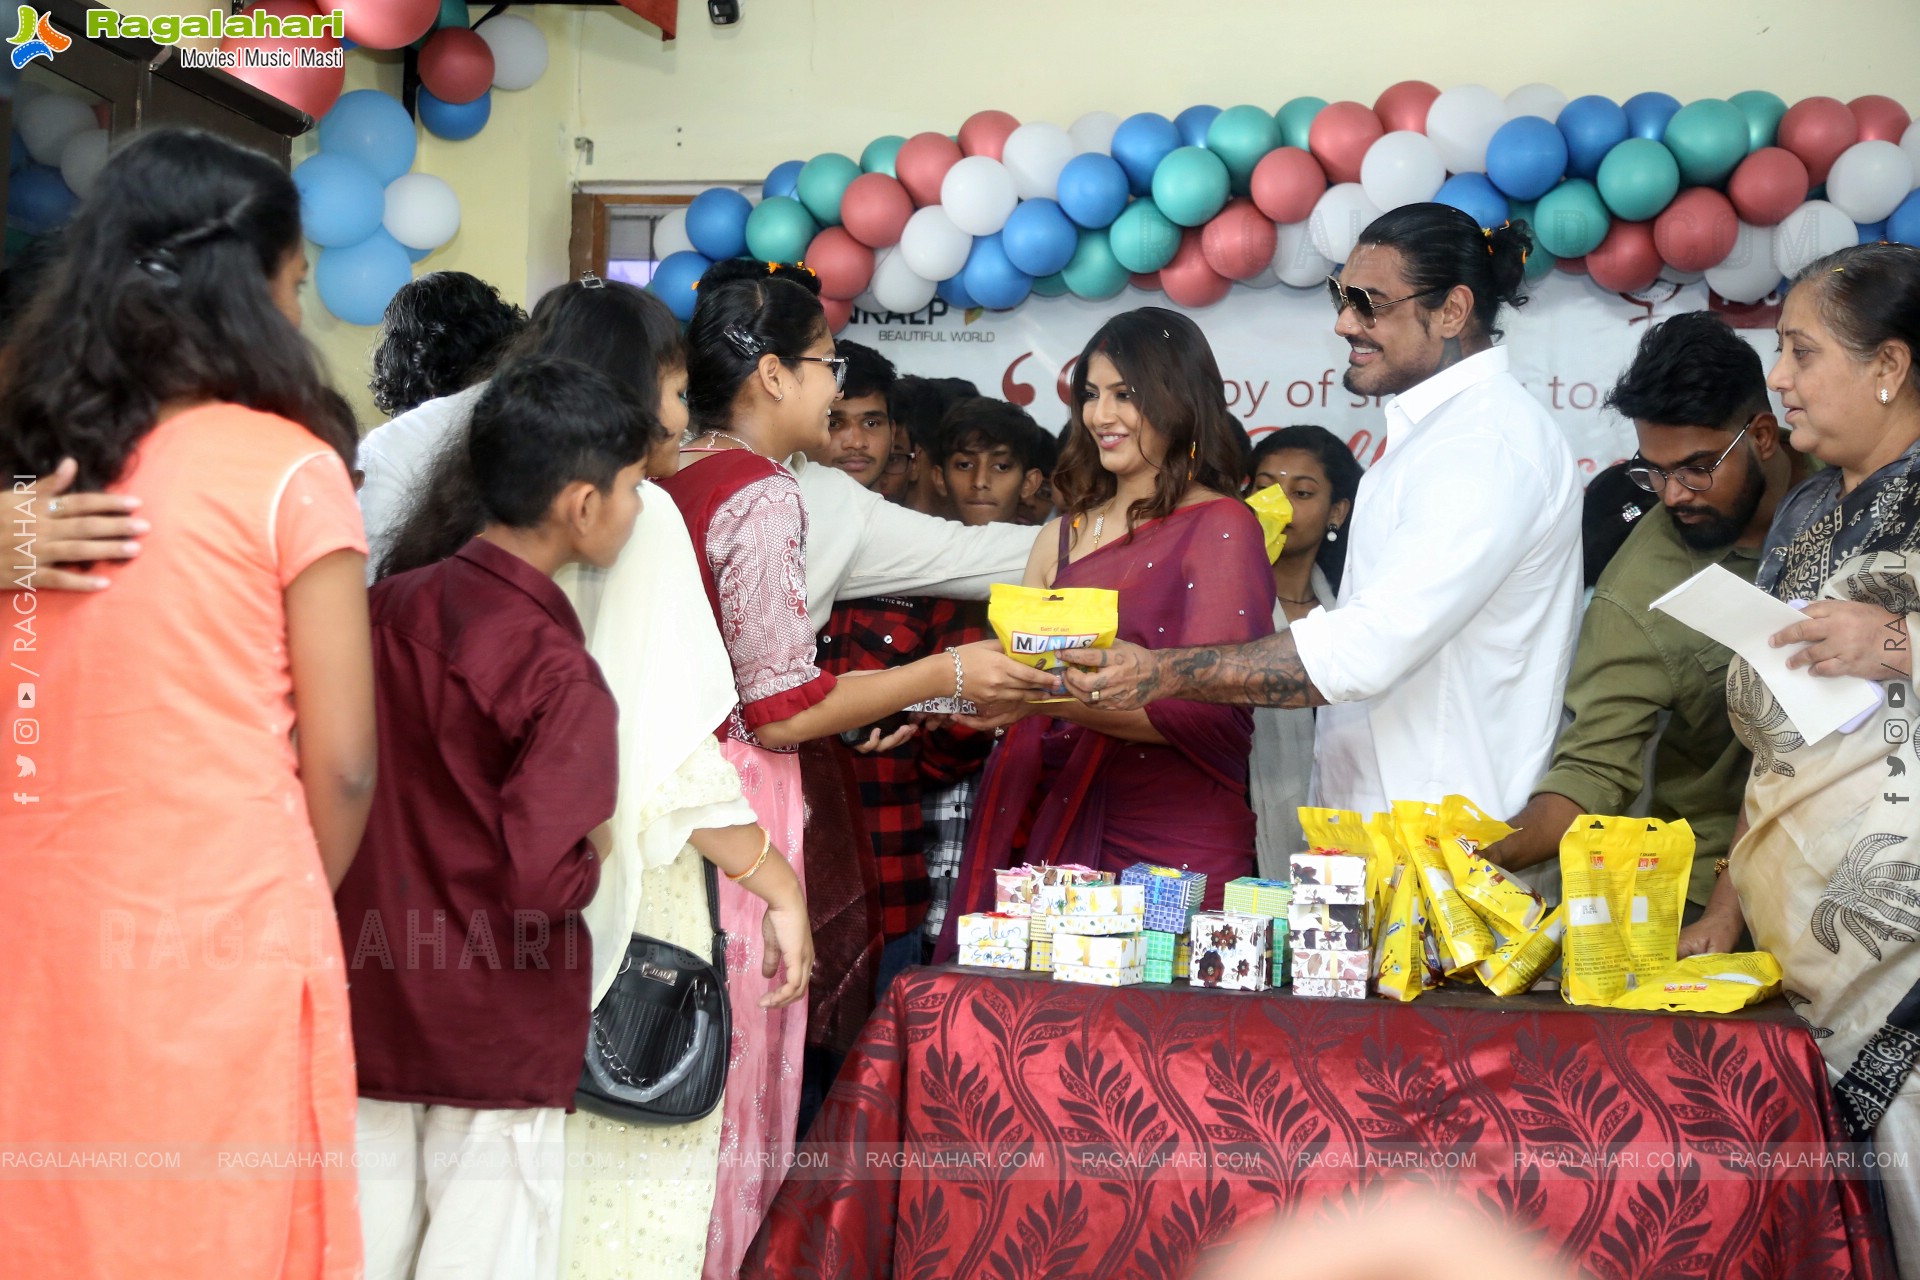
(161,264)
(772,267)
(743,342)
(588,280)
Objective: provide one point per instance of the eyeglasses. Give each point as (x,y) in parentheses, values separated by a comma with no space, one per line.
(1699,479)
(836,363)
(1362,302)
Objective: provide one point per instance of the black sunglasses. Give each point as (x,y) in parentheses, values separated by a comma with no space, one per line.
(1362,302)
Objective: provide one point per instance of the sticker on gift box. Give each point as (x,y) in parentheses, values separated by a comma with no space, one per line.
(1228,951)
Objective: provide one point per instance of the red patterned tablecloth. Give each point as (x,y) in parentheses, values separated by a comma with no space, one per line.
(1000,1124)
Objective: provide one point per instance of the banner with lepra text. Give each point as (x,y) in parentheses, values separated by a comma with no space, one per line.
(1282,363)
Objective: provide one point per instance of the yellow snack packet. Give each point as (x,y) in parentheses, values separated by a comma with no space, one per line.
(1400,954)
(1464,938)
(1708,984)
(1035,623)
(1518,962)
(1625,881)
(1508,906)
(1275,514)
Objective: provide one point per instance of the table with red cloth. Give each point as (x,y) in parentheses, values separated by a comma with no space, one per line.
(998,1123)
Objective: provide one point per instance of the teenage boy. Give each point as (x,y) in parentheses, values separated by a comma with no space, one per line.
(991,455)
(860,431)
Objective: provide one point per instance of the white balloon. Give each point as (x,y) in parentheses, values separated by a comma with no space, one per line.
(1094,132)
(978,194)
(1337,221)
(1034,156)
(82,159)
(932,247)
(422,211)
(1869,180)
(1909,143)
(1265,280)
(1462,122)
(670,235)
(1674,275)
(1812,231)
(1536,99)
(1296,262)
(1747,274)
(519,50)
(896,286)
(1401,168)
(46,123)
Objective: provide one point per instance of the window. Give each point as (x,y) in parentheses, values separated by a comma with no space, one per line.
(616,227)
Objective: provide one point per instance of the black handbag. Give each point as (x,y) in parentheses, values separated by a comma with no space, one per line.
(658,1045)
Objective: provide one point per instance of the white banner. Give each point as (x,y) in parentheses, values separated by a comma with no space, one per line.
(1282,362)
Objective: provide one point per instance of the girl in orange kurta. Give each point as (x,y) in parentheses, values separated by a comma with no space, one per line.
(176,1076)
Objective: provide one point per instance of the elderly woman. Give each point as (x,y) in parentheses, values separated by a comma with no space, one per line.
(1827,875)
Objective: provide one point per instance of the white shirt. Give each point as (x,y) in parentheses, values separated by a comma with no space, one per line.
(395,457)
(1446,654)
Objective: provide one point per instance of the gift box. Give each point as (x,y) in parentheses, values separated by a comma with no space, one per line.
(1040,940)
(1182,953)
(1040,956)
(1252,896)
(993,956)
(1337,988)
(1157,970)
(1172,896)
(1099,977)
(1013,891)
(1105,899)
(1092,951)
(1132,922)
(1159,945)
(1341,966)
(1228,950)
(1050,884)
(993,928)
(1319,926)
(1318,876)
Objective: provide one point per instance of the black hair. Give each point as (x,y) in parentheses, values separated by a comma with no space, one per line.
(1441,247)
(25,272)
(1691,370)
(979,423)
(543,423)
(746,310)
(162,297)
(441,334)
(920,404)
(1869,294)
(868,372)
(1343,478)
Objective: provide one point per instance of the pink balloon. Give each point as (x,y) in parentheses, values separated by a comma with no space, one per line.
(1769,184)
(1188,279)
(1626,261)
(922,164)
(1239,241)
(1697,230)
(844,265)
(875,209)
(1818,130)
(1287,183)
(456,65)
(1572,266)
(310,89)
(1404,106)
(839,313)
(1339,138)
(1881,119)
(984,134)
(1148,280)
(387,24)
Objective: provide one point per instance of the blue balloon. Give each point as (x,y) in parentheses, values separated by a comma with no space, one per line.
(1592,126)
(1478,198)
(717,223)
(1140,144)
(38,199)
(417,255)
(1903,225)
(357,281)
(1039,239)
(374,129)
(454,121)
(673,281)
(347,45)
(783,180)
(1193,123)
(1526,156)
(1648,113)
(990,277)
(954,292)
(1874,232)
(1093,190)
(341,202)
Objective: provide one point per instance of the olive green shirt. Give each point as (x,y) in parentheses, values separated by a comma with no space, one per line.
(1634,663)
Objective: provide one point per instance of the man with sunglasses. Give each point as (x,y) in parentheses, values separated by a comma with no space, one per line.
(1712,453)
(1442,663)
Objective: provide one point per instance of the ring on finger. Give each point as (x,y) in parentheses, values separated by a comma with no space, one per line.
(1095,697)
(53,506)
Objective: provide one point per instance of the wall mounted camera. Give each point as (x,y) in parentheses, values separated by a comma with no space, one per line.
(723,12)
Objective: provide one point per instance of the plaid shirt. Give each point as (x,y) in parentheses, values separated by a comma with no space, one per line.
(950,761)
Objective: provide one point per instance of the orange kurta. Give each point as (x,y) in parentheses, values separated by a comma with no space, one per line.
(176,1076)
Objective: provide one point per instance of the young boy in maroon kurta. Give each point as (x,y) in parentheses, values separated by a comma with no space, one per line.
(469,969)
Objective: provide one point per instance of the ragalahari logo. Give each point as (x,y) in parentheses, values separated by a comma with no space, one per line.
(36,39)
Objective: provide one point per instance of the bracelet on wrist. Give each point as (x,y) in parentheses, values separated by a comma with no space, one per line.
(959,674)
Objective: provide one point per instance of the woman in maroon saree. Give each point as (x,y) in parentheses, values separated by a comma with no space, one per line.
(1145,484)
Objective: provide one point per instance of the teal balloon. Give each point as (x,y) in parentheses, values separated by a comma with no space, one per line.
(1143,238)
(453,13)
(1051,286)
(1570,221)
(1295,119)
(1241,136)
(823,181)
(1762,111)
(779,230)
(1095,273)
(1539,261)
(1190,186)
(1709,139)
(1638,179)
(878,157)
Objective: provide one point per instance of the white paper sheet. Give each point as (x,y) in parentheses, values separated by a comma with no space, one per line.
(1726,608)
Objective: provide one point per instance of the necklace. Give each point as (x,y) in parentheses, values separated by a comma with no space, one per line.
(1291,600)
(721,435)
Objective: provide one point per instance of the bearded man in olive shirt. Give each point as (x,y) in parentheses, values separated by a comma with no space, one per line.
(1712,452)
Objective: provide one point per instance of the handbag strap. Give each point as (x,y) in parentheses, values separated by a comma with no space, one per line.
(713,914)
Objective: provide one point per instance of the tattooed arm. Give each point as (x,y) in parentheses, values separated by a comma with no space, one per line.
(1263,673)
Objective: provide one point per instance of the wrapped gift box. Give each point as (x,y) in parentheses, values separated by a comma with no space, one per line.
(1341,966)
(993,928)
(1157,970)
(1252,896)
(1327,870)
(993,956)
(1013,891)
(1159,945)
(1105,899)
(1342,989)
(1172,896)
(1228,950)
(1182,953)
(1099,977)
(1088,951)
(1050,884)
(1040,956)
(1321,926)
(1040,940)
(1132,922)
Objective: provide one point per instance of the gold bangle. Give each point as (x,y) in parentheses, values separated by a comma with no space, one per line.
(766,844)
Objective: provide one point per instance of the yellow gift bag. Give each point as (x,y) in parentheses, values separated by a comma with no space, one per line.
(1625,881)
(1708,984)
(1464,938)
(1036,623)
(1275,513)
